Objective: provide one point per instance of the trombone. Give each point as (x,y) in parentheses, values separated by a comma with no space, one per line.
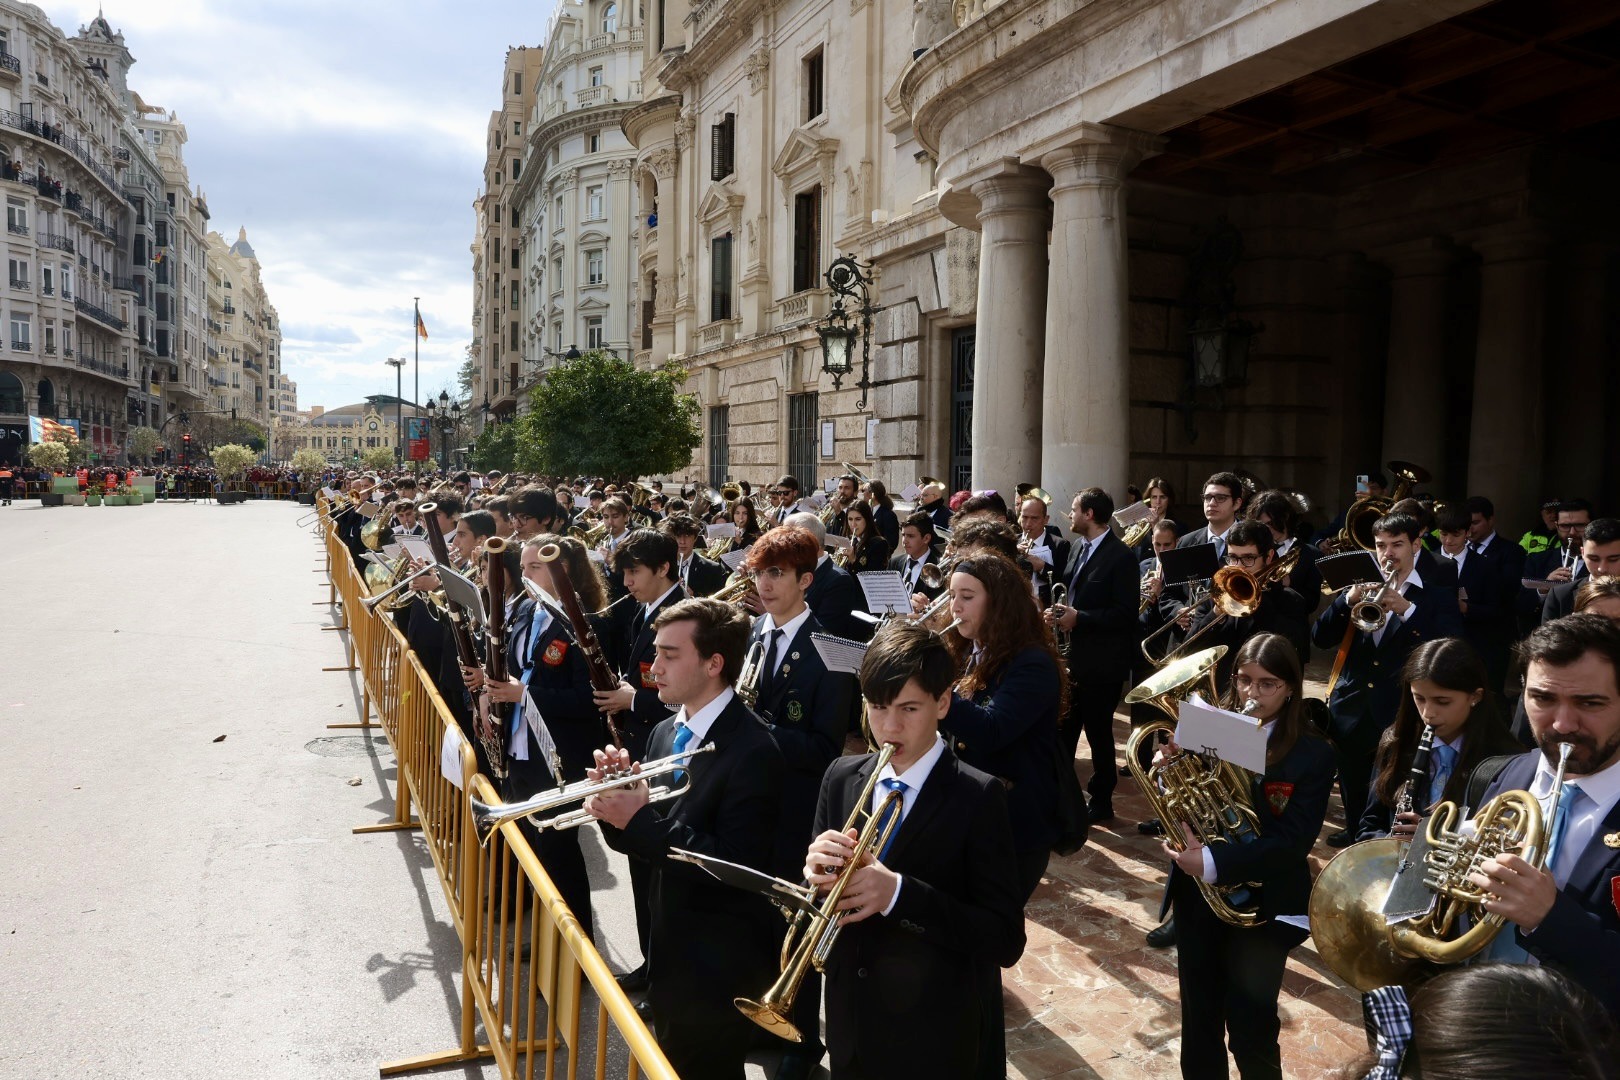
(371,602)
(488,818)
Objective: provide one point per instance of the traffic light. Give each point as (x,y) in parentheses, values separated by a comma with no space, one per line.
(185,449)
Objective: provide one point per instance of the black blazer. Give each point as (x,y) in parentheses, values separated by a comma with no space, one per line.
(705,577)
(1291,802)
(807,711)
(1105,598)
(560,684)
(1581,934)
(898,564)
(1010,731)
(1368,691)
(1560,599)
(1436,569)
(919,968)
(888,523)
(1282,611)
(874,555)
(710,942)
(833,595)
(1060,553)
(940,513)
(638,652)
(1307,579)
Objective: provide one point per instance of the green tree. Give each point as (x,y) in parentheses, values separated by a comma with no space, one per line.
(144,442)
(49,455)
(378,459)
(232,460)
(309,460)
(495,448)
(602,416)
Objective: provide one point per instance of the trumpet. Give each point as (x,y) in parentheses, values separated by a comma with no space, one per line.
(1368,614)
(1145,587)
(488,818)
(1062,638)
(812,935)
(370,602)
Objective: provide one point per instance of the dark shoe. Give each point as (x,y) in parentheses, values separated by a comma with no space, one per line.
(1151,827)
(1097,813)
(644,1010)
(634,982)
(795,1065)
(1162,937)
(1341,839)
(1124,770)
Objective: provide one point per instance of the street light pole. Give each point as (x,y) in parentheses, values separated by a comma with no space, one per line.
(398,364)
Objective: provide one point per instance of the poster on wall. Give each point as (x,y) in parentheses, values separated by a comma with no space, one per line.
(417,441)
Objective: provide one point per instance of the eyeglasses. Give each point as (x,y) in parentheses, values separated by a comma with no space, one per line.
(1216,498)
(775,573)
(1243,560)
(1263,686)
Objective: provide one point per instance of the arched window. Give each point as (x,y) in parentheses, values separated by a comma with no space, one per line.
(610,19)
(11,393)
(47,398)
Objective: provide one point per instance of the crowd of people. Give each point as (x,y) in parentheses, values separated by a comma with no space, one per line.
(697,619)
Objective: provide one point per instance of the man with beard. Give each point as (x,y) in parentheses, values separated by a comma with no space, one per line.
(1567,913)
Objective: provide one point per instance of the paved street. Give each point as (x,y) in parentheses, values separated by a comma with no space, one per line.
(179,907)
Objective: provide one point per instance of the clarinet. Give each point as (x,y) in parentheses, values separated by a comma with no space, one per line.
(602,676)
(1419,775)
(493,715)
(466,652)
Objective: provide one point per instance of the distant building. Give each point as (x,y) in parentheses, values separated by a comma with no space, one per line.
(342,434)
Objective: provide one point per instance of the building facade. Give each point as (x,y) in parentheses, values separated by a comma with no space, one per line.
(1303,239)
(497,274)
(341,434)
(244,332)
(68,349)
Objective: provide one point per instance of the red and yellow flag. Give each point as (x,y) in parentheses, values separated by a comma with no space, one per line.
(421,327)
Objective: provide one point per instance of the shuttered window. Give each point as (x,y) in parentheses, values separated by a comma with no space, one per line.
(720,278)
(807,239)
(723,148)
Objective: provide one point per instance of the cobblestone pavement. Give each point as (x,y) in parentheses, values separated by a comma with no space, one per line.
(1090,999)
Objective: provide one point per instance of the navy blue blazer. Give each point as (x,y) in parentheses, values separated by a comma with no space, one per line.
(1010,730)
(1105,597)
(1581,934)
(1291,802)
(833,595)
(1368,690)
(638,653)
(560,684)
(807,710)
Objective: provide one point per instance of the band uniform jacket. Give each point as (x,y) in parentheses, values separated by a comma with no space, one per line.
(709,942)
(903,988)
(1009,730)
(807,710)
(1105,598)
(1581,934)
(939,513)
(647,711)
(833,596)
(1488,624)
(560,684)
(888,523)
(705,576)
(1282,611)
(874,555)
(1436,570)
(1529,603)
(1561,599)
(1291,802)
(1368,690)
(898,565)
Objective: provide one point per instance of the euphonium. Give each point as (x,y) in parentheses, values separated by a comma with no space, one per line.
(811,937)
(1357,941)
(737,589)
(1208,795)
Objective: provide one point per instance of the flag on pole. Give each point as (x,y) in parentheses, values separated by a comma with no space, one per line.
(44,429)
(421,327)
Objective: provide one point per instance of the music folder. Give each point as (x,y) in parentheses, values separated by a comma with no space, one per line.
(1196,563)
(1350,568)
(458,590)
(738,876)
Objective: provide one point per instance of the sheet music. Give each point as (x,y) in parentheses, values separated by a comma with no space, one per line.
(733,559)
(910,493)
(839,654)
(1230,736)
(459,590)
(724,529)
(842,543)
(885,590)
(542,734)
(417,547)
(1130,515)
(830,484)
(450,754)
(369,510)
(391,551)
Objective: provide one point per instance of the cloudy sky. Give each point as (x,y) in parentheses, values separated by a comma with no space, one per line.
(349,140)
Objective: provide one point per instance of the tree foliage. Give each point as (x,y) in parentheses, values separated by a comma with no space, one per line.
(495,448)
(49,455)
(144,442)
(378,459)
(232,460)
(309,460)
(602,416)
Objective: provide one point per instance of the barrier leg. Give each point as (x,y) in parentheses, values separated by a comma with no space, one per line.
(365,712)
(402,809)
(469,1050)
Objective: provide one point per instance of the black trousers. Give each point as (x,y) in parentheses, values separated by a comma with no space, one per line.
(1091,710)
(1355,751)
(710,1046)
(1230,979)
(992,1009)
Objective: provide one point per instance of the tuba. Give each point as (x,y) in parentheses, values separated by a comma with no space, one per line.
(1208,795)
(1363,948)
(1357,534)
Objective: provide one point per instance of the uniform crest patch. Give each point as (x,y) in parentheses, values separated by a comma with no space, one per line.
(1612,840)
(795,711)
(647,680)
(1277,795)
(554,653)
(1614,892)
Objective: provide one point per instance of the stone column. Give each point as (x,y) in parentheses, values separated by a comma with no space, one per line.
(1575,376)
(1085,414)
(1414,387)
(1506,435)
(1010,338)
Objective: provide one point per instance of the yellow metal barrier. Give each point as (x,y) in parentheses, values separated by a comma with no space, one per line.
(530,976)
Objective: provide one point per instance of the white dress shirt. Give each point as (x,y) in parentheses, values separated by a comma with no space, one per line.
(1598,795)
(790,630)
(914,777)
(648,609)
(701,721)
(1411,579)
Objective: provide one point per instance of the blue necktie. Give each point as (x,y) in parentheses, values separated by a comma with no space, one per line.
(1566,810)
(892,810)
(1445,761)
(683,739)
